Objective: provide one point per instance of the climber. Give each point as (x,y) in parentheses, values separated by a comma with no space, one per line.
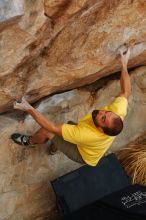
(87,141)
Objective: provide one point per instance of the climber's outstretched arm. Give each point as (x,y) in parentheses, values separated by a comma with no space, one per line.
(125,79)
(45,123)
(38,117)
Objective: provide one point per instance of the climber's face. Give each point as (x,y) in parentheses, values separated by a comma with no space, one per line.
(103,118)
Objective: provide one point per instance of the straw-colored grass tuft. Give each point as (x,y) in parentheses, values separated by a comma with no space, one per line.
(133,160)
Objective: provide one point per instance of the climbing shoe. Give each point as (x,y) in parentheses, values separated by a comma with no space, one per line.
(51,148)
(20,139)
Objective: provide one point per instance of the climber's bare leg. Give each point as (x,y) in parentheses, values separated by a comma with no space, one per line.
(41,136)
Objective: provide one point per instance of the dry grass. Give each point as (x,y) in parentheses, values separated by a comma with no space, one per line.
(133,160)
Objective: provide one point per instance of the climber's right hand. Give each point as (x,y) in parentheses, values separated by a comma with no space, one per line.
(125,56)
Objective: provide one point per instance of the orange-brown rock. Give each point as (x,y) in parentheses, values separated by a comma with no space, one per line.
(51,46)
(75,45)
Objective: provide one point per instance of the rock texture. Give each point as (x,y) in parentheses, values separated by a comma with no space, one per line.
(51,46)
(25,190)
(10,9)
(75,44)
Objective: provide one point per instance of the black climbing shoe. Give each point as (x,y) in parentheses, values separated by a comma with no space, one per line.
(51,148)
(21,139)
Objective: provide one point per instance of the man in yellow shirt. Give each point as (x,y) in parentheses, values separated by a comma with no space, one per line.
(87,141)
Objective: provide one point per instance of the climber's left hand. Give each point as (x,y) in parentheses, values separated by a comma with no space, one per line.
(23,105)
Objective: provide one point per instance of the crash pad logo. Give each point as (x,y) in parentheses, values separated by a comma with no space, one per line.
(134,199)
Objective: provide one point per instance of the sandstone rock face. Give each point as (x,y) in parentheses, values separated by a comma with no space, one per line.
(25,190)
(51,46)
(75,45)
(10,9)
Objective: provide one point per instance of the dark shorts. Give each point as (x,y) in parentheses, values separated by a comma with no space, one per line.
(69,149)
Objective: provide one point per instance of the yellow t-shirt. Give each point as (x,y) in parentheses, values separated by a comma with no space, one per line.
(92,143)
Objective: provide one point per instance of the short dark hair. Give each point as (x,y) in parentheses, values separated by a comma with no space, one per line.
(116,129)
